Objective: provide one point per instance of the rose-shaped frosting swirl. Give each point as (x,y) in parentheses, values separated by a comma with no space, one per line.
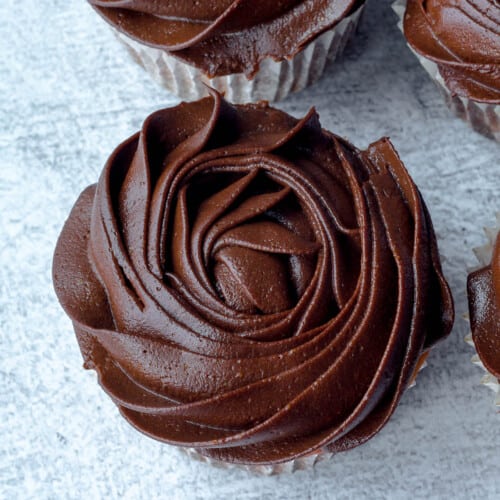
(463,38)
(250,285)
(483,287)
(225,36)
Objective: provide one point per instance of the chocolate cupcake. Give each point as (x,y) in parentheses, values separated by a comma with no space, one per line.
(483,290)
(249,50)
(251,286)
(458,43)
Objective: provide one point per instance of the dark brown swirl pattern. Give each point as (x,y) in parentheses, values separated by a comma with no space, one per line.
(483,288)
(463,38)
(225,36)
(251,285)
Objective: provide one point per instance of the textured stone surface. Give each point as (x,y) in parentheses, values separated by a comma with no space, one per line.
(68,95)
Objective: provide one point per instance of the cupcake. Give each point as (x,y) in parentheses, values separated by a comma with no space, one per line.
(458,43)
(250,286)
(248,50)
(483,290)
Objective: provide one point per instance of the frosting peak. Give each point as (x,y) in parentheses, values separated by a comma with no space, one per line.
(251,285)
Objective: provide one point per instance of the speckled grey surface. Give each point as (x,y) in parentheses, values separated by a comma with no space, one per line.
(68,95)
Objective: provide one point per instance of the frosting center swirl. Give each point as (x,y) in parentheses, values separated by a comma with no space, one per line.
(249,240)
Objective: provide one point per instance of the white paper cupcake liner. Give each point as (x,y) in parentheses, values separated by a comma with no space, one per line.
(291,466)
(482,117)
(484,255)
(273,82)
(302,463)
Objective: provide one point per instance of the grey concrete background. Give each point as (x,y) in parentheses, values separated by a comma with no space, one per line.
(68,95)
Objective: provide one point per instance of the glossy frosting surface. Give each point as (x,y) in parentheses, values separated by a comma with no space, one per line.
(463,38)
(250,285)
(225,36)
(484,308)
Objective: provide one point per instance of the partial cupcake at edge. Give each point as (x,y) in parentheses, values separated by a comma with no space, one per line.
(249,50)
(483,290)
(251,286)
(458,43)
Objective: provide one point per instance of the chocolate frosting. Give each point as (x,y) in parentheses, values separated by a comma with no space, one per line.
(483,287)
(250,285)
(225,36)
(463,38)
